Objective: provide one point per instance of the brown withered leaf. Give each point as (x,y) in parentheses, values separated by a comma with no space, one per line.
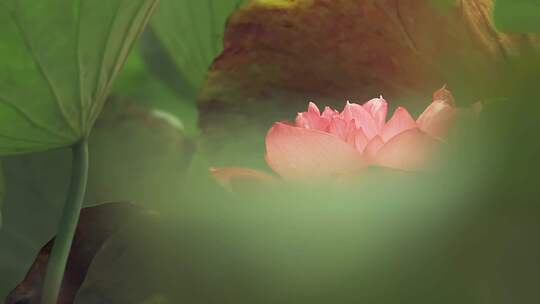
(280,54)
(96,225)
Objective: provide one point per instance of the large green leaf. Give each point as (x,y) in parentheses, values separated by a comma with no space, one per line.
(58,59)
(192,33)
(520,16)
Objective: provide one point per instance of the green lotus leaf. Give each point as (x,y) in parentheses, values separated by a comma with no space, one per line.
(58,59)
(192,33)
(518,16)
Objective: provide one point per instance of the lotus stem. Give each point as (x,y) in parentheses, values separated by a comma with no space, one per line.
(68,224)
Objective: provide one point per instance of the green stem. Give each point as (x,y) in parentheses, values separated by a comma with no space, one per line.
(68,224)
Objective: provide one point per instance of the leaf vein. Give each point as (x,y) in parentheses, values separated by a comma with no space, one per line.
(79,66)
(97,95)
(29,118)
(42,72)
(119,62)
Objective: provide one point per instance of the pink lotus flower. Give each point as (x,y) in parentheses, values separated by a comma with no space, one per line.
(335,143)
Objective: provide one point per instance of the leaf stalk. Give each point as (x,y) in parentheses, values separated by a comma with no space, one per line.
(68,224)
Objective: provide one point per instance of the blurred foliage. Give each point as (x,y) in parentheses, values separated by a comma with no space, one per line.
(54,77)
(518,16)
(137,156)
(2,193)
(36,185)
(138,84)
(192,32)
